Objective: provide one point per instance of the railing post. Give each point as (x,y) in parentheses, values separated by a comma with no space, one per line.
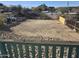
(70,52)
(3,50)
(54,52)
(46,51)
(39,51)
(77,52)
(33,51)
(62,52)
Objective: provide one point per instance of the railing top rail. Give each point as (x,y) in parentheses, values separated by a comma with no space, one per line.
(43,42)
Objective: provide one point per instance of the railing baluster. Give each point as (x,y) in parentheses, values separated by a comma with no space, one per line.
(12,49)
(9,50)
(18,51)
(30,51)
(27,50)
(24,50)
(66,51)
(54,51)
(15,50)
(36,51)
(74,52)
(21,50)
(58,51)
(43,51)
(50,52)
(0,54)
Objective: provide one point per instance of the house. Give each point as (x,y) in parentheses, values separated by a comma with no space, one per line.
(45,11)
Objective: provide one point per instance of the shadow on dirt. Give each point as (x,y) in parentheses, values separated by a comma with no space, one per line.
(6,27)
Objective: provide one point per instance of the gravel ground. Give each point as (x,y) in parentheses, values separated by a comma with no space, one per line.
(47,29)
(39,30)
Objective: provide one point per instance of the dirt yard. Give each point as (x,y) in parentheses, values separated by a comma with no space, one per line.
(45,28)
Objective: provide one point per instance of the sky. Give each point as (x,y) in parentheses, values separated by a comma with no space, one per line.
(29,4)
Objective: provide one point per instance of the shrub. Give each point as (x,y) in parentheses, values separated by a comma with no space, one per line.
(1,20)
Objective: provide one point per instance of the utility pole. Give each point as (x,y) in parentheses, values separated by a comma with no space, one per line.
(67,10)
(68,6)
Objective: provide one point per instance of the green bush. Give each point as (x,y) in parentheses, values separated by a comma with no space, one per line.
(2,19)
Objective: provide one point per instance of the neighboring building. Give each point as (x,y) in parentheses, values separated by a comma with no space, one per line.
(76,10)
(45,11)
